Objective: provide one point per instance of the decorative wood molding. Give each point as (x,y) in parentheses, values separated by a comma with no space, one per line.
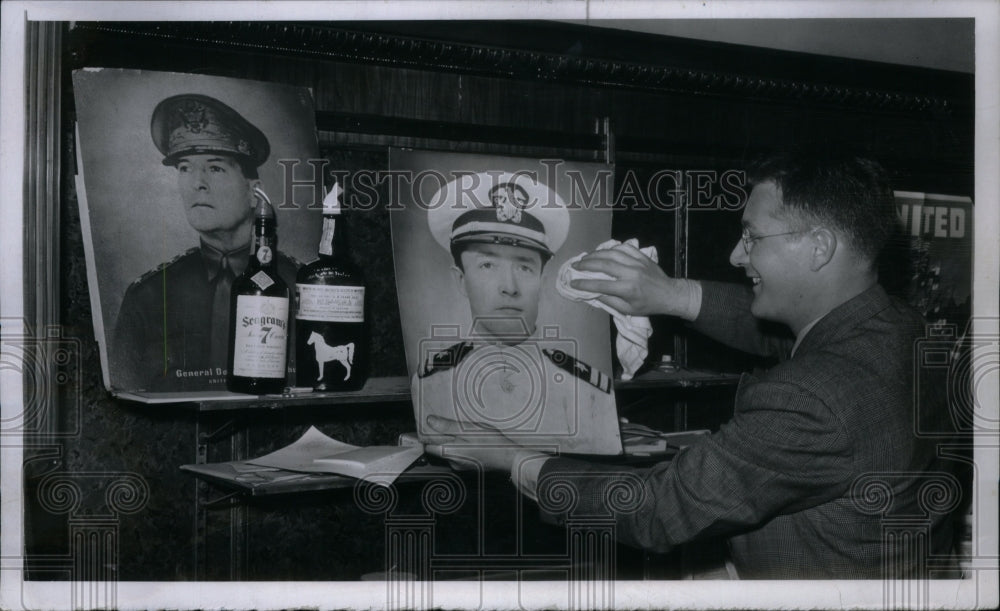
(678,67)
(421,128)
(42,193)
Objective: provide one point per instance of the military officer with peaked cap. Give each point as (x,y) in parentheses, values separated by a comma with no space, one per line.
(173,324)
(501,230)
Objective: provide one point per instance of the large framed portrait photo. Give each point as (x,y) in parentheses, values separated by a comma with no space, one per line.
(167,165)
(478,244)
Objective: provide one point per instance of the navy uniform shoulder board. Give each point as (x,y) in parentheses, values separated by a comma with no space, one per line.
(593,376)
(162,266)
(445,359)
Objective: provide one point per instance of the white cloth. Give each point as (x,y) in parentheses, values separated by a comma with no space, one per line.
(632,344)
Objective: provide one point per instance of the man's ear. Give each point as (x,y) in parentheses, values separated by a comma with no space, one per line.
(458,276)
(252,184)
(824,247)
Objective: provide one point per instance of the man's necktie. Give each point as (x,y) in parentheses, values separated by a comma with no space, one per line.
(221,286)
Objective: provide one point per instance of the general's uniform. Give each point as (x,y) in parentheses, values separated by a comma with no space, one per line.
(163,337)
(530,391)
(173,324)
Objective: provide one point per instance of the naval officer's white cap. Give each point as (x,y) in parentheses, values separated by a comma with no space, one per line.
(515,209)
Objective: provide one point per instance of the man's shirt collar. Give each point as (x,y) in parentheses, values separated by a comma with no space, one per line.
(217,260)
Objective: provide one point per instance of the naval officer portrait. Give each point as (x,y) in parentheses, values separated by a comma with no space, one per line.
(507,373)
(173,324)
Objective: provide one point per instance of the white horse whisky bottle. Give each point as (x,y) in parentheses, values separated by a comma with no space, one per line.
(258,333)
(330,342)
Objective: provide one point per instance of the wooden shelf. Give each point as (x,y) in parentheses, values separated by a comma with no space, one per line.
(271,483)
(283,482)
(679,377)
(376,390)
(397,389)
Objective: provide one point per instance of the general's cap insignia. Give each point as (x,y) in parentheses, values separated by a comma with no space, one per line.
(193,116)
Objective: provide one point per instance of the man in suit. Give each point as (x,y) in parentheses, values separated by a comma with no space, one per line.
(790,479)
(173,324)
(504,373)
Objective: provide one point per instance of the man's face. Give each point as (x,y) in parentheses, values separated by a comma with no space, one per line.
(778,266)
(216,194)
(502,283)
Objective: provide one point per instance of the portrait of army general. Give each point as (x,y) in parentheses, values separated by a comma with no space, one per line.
(478,242)
(168,164)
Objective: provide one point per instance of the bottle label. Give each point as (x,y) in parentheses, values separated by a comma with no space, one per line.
(326,240)
(261,336)
(262,280)
(331,303)
(264,254)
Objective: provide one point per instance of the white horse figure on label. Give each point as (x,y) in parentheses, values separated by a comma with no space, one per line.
(326,353)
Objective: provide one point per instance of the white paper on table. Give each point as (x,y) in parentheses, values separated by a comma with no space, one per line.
(301,454)
(315,452)
(377,464)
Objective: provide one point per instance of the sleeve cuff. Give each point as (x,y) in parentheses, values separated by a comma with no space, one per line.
(693,307)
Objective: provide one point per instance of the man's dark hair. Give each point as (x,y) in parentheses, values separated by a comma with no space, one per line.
(849,193)
(458,248)
(246,165)
(249,169)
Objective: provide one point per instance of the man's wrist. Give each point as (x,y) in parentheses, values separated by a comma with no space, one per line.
(689,299)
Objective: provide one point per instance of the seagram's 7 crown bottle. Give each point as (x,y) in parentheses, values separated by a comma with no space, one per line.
(330,342)
(258,333)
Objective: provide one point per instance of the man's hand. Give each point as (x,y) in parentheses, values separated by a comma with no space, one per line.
(488,447)
(639,287)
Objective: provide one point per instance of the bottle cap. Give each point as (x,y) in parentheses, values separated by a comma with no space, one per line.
(264,208)
(331,203)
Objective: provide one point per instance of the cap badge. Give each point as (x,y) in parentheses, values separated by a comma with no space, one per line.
(193,115)
(509,199)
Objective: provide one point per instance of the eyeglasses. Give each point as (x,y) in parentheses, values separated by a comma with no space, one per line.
(749,240)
